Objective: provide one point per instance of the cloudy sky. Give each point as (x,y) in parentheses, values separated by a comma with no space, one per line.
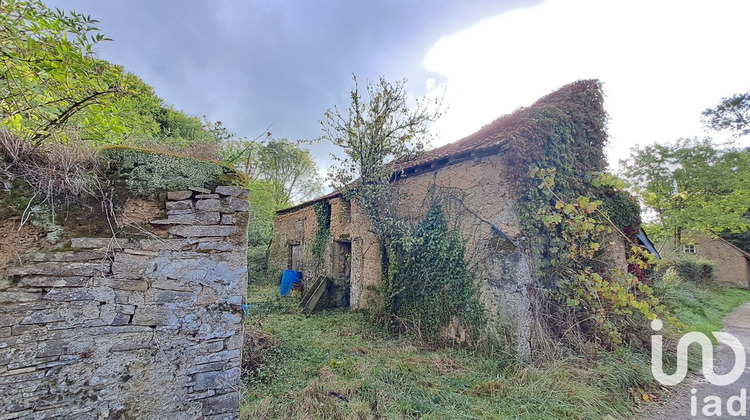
(251,64)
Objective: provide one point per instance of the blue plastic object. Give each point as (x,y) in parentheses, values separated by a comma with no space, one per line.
(287,279)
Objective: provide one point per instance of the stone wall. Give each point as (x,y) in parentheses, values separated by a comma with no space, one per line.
(732,264)
(477,198)
(145,325)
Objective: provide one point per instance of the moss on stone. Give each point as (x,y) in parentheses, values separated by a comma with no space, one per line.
(144,171)
(15,201)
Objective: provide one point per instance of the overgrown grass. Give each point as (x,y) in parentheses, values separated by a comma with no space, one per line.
(701,307)
(335,365)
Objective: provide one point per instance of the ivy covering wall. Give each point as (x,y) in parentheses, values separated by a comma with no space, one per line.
(322,233)
(429,286)
(568,206)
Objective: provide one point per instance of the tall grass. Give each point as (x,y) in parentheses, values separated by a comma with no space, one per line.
(699,306)
(336,365)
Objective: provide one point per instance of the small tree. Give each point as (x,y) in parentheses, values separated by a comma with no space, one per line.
(289,172)
(376,133)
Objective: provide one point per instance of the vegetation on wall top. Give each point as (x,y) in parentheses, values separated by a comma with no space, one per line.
(145,170)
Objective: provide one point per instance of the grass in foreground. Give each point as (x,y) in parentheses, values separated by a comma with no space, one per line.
(335,365)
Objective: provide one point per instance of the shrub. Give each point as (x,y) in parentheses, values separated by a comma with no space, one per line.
(694,269)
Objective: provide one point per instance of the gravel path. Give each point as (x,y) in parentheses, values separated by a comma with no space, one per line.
(678,399)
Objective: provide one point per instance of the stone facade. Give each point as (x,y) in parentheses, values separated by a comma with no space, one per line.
(732,264)
(479,202)
(478,199)
(349,228)
(145,325)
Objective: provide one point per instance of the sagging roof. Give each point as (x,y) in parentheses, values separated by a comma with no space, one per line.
(488,139)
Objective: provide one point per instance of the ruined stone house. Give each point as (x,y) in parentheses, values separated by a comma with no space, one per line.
(471,173)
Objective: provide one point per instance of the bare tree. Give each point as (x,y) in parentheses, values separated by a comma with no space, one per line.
(375,133)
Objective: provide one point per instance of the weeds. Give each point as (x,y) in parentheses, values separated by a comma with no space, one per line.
(52,170)
(336,365)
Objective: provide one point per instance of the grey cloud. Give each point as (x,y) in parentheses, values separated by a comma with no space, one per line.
(251,64)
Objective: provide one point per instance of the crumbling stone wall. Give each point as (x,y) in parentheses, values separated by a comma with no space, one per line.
(350,224)
(144,326)
(477,197)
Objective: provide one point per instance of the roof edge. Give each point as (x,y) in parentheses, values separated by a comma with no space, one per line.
(308,203)
(735,247)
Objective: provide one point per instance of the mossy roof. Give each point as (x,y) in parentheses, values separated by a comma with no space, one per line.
(509,126)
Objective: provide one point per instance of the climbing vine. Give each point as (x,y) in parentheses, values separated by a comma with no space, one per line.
(323,233)
(590,292)
(567,206)
(429,287)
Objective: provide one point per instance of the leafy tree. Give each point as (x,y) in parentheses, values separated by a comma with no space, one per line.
(691,184)
(731,114)
(259,228)
(288,172)
(375,133)
(52,84)
(50,72)
(280,174)
(122,118)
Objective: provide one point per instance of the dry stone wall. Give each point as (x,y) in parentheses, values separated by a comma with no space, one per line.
(145,326)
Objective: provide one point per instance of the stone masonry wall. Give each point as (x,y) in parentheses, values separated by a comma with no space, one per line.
(143,326)
(476,196)
(732,267)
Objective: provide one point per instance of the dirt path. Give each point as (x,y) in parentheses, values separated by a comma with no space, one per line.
(678,405)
